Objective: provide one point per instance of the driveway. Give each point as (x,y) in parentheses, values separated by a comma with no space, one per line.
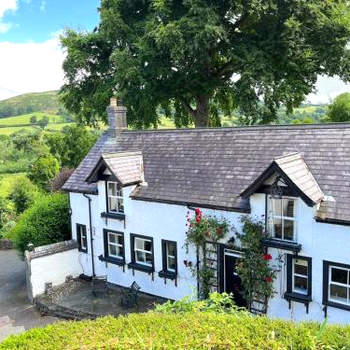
(16,313)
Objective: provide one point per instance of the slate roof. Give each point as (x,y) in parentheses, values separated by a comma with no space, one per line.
(127,167)
(211,167)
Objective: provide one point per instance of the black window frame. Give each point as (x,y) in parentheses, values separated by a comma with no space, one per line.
(290,294)
(112,259)
(165,272)
(133,264)
(80,248)
(108,211)
(326,301)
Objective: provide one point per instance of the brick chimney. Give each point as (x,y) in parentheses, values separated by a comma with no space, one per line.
(116,117)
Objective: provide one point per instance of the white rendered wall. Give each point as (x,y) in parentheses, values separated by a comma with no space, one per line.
(157,220)
(165,221)
(319,241)
(53,268)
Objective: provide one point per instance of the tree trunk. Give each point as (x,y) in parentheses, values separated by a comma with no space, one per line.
(201,114)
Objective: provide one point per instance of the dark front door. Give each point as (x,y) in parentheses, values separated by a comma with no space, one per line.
(233,283)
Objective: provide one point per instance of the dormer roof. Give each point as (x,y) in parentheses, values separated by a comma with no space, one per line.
(296,175)
(125,167)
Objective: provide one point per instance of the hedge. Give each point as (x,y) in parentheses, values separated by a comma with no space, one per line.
(191,330)
(46,221)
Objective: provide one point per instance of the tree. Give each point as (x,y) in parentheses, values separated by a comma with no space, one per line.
(33,119)
(43,122)
(71,145)
(44,169)
(60,179)
(196,58)
(339,109)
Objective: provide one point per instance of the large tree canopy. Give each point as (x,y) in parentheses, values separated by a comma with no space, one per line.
(194,58)
(339,109)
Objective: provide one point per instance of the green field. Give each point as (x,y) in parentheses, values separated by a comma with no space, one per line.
(12,124)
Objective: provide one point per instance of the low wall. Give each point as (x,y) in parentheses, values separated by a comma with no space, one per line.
(5,244)
(51,264)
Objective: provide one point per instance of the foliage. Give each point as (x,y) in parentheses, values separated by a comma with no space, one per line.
(71,145)
(23,194)
(60,179)
(215,302)
(197,58)
(339,109)
(200,230)
(254,269)
(33,119)
(44,169)
(46,221)
(43,121)
(190,330)
(6,215)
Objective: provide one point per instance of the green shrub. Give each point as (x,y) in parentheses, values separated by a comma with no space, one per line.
(6,216)
(47,221)
(23,194)
(191,330)
(44,170)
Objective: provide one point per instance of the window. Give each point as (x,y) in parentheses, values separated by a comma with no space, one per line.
(281,218)
(115,200)
(336,284)
(82,238)
(299,279)
(142,251)
(114,246)
(169,256)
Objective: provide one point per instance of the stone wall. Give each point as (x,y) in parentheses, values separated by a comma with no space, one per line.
(50,266)
(5,244)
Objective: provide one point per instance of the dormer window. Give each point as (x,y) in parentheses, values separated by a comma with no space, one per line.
(115,201)
(281,218)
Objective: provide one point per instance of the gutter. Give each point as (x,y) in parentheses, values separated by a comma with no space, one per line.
(91,238)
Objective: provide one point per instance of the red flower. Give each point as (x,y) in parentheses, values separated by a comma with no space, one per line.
(268,279)
(198,212)
(267,257)
(198,218)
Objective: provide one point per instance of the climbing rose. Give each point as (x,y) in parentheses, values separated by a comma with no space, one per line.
(267,257)
(268,279)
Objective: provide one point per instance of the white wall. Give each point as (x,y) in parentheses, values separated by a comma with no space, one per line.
(165,221)
(319,241)
(53,268)
(157,220)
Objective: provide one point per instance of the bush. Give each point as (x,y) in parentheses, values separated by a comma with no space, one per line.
(6,216)
(46,222)
(23,194)
(44,169)
(191,330)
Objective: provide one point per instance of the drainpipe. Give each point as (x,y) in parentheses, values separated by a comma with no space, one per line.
(91,238)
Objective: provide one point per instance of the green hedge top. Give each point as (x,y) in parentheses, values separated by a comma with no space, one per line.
(191,330)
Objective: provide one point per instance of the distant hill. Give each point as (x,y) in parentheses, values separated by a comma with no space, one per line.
(46,102)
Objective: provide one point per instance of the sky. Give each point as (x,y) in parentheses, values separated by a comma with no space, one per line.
(31,57)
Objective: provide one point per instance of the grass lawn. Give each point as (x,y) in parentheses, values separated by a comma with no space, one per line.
(6,182)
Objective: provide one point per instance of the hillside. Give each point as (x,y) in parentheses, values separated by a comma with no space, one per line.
(28,103)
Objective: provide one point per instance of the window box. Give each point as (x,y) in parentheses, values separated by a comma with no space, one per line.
(114,250)
(117,216)
(167,274)
(280,244)
(82,238)
(336,285)
(139,267)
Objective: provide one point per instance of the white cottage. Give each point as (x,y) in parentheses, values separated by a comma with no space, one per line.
(130,196)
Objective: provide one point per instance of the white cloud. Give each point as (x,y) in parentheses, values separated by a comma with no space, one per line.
(327,89)
(6,5)
(30,67)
